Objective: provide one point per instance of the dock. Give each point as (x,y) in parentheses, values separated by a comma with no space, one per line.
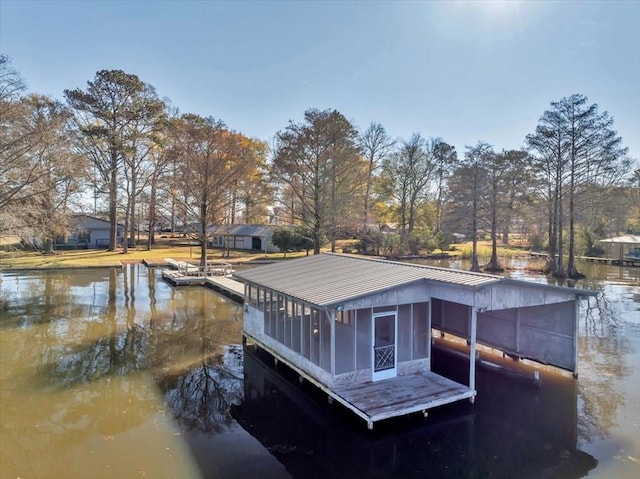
(230,287)
(401,395)
(398,396)
(595,259)
(214,275)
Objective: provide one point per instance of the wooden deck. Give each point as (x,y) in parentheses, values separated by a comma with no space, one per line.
(389,398)
(177,278)
(401,395)
(234,289)
(596,259)
(185,273)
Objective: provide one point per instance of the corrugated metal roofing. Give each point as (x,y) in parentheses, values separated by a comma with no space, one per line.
(328,279)
(240,230)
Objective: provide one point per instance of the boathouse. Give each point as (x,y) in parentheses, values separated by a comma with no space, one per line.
(360,329)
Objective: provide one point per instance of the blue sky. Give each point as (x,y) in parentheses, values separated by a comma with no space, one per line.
(462,71)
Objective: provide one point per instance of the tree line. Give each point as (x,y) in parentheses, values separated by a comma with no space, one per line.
(143,164)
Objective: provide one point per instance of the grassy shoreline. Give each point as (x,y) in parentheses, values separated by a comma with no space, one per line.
(29,260)
(21,260)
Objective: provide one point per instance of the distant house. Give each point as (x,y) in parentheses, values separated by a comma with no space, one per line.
(388,228)
(88,232)
(243,236)
(624,249)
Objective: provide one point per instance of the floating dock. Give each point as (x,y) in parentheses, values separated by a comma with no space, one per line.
(214,275)
(596,259)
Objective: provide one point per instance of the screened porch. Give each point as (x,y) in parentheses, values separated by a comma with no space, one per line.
(366,339)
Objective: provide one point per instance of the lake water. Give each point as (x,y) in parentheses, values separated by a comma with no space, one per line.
(115,374)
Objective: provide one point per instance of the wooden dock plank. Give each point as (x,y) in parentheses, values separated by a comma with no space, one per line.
(402,395)
(228,284)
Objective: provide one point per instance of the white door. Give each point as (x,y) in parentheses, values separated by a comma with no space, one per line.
(384,332)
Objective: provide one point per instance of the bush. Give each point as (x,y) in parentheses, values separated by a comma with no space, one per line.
(369,242)
(536,242)
(284,238)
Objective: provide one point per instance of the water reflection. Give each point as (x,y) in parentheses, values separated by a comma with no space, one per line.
(515,430)
(117,373)
(81,358)
(202,397)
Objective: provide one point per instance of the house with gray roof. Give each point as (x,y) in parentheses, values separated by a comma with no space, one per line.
(361,329)
(243,236)
(86,231)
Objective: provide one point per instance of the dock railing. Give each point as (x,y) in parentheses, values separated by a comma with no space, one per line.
(210,269)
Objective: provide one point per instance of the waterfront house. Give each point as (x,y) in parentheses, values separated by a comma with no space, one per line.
(243,237)
(88,232)
(360,329)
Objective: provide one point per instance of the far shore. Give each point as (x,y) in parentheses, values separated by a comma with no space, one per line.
(20,260)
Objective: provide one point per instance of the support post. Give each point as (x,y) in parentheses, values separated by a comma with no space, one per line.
(472,349)
(332,350)
(518,331)
(576,316)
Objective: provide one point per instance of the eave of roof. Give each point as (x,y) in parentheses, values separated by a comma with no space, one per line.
(624,239)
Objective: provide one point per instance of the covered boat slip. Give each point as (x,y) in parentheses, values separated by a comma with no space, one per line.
(360,329)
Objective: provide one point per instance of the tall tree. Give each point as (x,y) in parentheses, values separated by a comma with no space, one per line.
(63,170)
(406,177)
(519,183)
(38,171)
(446,159)
(375,145)
(315,161)
(585,149)
(594,149)
(468,191)
(104,114)
(495,166)
(253,193)
(210,163)
(17,140)
(143,136)
(549,144)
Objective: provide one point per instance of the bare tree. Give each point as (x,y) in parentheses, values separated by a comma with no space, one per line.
(406,178)
(446,159)
(210,162)
(104,114)
(38,171)
(467,191)
(375,145)
(317,162)
(578,148)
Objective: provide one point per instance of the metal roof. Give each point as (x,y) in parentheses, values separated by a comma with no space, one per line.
(241,230)
(328,279)
(626,239)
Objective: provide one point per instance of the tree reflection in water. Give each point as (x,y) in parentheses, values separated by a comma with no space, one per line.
(202,397)
(514,430)
(603,348)
(111,353)
(86,354)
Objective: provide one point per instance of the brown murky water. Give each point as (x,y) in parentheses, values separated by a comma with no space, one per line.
(115,374)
